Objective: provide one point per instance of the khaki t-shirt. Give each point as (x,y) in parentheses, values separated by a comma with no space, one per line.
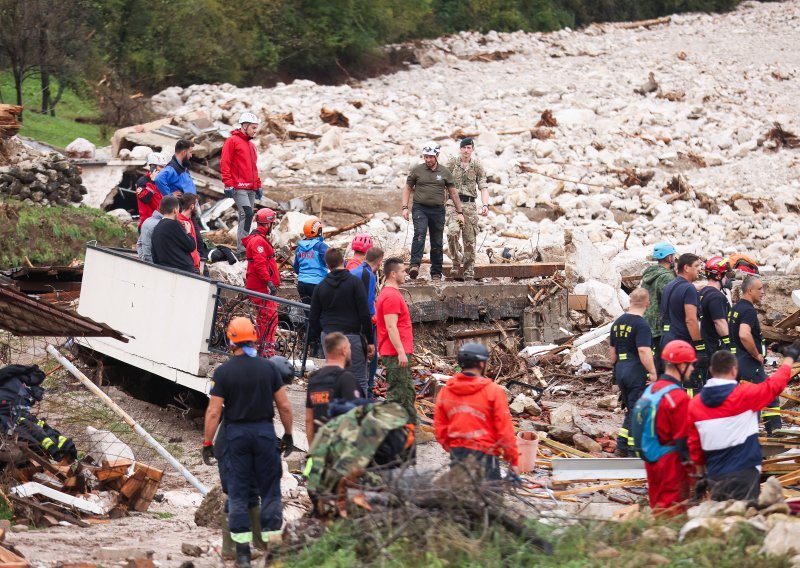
(430,186)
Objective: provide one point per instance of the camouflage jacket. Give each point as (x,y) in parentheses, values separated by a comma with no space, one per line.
(348,443)
(468,180)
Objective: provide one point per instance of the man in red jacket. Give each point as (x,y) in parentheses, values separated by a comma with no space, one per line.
(188,203)
(148,198)
(263,276)
(723,429)
(471,417)
(668,477)
(239,169)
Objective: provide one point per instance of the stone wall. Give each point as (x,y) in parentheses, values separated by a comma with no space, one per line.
(49,180)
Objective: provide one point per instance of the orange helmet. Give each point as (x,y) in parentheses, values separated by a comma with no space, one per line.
(241,330)
(312,228)
(265,216)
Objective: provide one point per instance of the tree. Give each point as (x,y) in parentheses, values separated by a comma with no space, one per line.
(17,40)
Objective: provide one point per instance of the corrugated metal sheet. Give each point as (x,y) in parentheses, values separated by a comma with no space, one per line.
(25,316)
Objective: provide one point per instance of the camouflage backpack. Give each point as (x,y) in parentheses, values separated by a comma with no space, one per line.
(368,434)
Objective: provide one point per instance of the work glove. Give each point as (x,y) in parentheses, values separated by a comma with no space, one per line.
(702,356)
(793,351)
(228,191)
(287,445)
(273,290)
(208,454)
(259,193)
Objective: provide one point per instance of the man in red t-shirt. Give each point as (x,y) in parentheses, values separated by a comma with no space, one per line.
(395,338)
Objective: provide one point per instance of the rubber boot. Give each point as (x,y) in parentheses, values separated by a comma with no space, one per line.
(255,527)
(228,550)
(243,555)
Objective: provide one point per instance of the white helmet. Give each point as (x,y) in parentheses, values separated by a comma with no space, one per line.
(248,117)
(156,159)
(431,149)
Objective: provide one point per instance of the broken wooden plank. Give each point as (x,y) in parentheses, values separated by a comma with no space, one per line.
(558,446)
(133,485)
(596,488)
(48,510)
(142,503)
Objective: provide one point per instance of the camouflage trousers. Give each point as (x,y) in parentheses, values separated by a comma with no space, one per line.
(468,231)
(400,386)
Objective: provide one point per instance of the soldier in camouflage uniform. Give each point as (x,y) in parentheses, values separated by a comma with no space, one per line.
(470,178)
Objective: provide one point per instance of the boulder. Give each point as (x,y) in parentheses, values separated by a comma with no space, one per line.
(233,274)
(140,152)
(120,214)
(782,539)
(562,434)
(608,402)
(586,444)
(290,228)
(660,534)
(331,140)
(771,493)
(563,415)
(80,148)
(603,302)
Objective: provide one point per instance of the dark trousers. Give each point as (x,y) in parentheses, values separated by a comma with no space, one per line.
(252,458)
(428,219)
(753,372)
(657,355)
(490,463)
(742,485)
(631,380)
(373,366)
(305,291)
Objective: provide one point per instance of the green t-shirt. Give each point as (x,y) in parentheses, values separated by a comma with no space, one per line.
(430,185)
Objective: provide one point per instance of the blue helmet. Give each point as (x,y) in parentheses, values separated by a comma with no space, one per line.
(663,250)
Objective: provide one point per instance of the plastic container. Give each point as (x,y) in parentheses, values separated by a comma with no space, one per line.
(528,446)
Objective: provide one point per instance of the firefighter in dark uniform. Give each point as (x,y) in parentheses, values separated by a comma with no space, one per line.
(714,308)
(745,331)
(632,356)
(248,386)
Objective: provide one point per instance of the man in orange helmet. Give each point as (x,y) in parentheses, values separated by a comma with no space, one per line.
(248,386)
(263,276)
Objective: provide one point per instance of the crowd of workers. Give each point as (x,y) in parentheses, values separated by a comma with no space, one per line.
(690,372)
(688,365)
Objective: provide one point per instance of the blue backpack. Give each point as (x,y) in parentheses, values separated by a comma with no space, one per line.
(643,425)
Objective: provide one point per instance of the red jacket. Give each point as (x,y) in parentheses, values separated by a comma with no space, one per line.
(672,418)
(472,412)
(148,198)
(238,165)
(195,255)
(261,264)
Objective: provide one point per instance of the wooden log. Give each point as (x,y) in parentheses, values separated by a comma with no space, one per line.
(645,23)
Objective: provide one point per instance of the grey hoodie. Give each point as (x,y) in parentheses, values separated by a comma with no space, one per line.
(144,245)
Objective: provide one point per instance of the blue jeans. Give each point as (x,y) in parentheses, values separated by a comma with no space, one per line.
(252,457)
(428,219)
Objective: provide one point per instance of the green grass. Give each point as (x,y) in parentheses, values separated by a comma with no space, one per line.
(163,515)
(55,235)
(61,129)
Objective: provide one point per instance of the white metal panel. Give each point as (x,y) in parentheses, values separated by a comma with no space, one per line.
(566,469)
(167,314)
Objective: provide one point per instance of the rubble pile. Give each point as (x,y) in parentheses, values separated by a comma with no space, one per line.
(604,167)
(29,176)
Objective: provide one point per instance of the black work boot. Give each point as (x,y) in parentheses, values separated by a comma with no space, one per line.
(413,271)
(242,555)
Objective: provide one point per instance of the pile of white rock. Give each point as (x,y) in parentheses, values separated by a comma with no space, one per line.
(720,87)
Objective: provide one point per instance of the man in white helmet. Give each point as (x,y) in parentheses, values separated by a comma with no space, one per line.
(148,198)
(239,169)
(430,183)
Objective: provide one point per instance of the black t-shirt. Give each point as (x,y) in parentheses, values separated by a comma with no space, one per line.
(713,306)
(629,333)
(677,294)
(247,384)
(745,312)
(328,384)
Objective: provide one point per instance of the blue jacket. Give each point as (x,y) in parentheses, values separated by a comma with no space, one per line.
(309,261)
(175,177)
(359,272)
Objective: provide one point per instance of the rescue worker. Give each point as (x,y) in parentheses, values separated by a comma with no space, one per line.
(723,429)
(331,382)
(430,184)
(188,205)
(654,279)
(309,260)
(745,330)
(175,178)
(396,337)
(248,386)
(361,243)
(714,308)
(632,357)
(367,272)
(679,311)
(470,178)
(238,167)
(263,276)
(668,477)
(148,198)
(471,417)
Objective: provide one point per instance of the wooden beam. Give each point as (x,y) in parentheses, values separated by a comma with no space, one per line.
(596,488)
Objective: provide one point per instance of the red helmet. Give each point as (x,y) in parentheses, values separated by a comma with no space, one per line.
(717,267)
(362,242)
(678,351)
(265,216)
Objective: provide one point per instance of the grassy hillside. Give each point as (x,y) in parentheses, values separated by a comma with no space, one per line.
(55,235)
(61,129)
